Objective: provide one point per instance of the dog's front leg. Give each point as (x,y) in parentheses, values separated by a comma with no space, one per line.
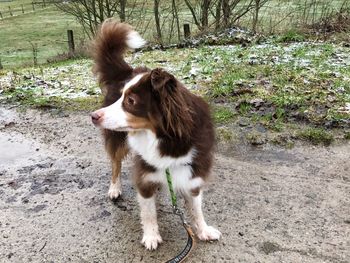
(151,237)
(203,231)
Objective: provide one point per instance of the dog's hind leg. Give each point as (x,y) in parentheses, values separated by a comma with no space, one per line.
(115,188)
(117,150)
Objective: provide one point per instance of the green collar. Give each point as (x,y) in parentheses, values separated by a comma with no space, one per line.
(171,189)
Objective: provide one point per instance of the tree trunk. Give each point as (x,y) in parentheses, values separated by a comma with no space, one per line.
(176,16)
(226,12)
(100,9)
(205,13)
(122,15)
(256,15)
(188,4)
(157,20)
(218,14)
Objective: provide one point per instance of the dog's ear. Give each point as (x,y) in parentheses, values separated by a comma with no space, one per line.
(176,112)
(161,79)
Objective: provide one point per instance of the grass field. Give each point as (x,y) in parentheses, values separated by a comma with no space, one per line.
(294,90)
(284,15)
(15,5)
(44,28)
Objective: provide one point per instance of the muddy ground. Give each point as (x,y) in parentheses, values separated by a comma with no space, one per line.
(271,204)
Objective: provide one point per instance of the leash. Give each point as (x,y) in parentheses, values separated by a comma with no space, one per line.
(190,235)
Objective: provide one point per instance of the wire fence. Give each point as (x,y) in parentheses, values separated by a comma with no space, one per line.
(33,53)
(34,33)
(11,10)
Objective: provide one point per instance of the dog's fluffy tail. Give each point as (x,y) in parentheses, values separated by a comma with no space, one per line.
(111,42)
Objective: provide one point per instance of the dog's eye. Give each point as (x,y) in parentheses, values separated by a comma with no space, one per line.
(130,100)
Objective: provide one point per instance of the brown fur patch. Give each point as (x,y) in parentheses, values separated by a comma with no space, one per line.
(108,49)
(139,122)
(141,170)
(177,115)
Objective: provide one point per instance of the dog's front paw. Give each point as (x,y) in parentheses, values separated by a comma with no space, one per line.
(151,241)
(114,191)
(208,233)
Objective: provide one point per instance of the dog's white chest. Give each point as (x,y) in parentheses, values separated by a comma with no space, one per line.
(145,144)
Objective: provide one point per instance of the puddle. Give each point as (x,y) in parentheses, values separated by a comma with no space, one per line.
(17,150)
(266,154)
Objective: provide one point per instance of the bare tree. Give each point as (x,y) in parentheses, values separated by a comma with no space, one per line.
(200,11)
(168,23)
(225,12)
(257,6)
(218,5)
(176,18)
(122,8)
(91,13)
(157,20)
(205,6)
(192,8)
(233,10)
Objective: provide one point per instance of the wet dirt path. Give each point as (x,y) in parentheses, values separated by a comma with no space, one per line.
(272,205)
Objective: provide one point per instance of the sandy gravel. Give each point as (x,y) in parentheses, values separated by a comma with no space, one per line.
(271,204)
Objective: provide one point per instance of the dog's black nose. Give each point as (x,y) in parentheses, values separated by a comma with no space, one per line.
(95,117)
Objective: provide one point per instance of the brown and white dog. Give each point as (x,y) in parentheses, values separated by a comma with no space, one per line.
(151,113)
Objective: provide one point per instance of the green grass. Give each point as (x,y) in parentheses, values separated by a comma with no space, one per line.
(16,5)
(291,36)
(299,84)
(316,136)
(289,87)
(347,136)
(276,87)
(46,29)
(225,134)
(255,138)
(222,114)
(288,16)
(29,98)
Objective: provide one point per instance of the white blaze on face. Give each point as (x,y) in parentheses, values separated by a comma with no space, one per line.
(114,116)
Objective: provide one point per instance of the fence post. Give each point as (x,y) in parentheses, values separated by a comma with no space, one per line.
(33,6)
(70,41)
(1,15)
(1,66)
(35,56)
(22,9)
(10,11)
(187,32)
(35,53)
